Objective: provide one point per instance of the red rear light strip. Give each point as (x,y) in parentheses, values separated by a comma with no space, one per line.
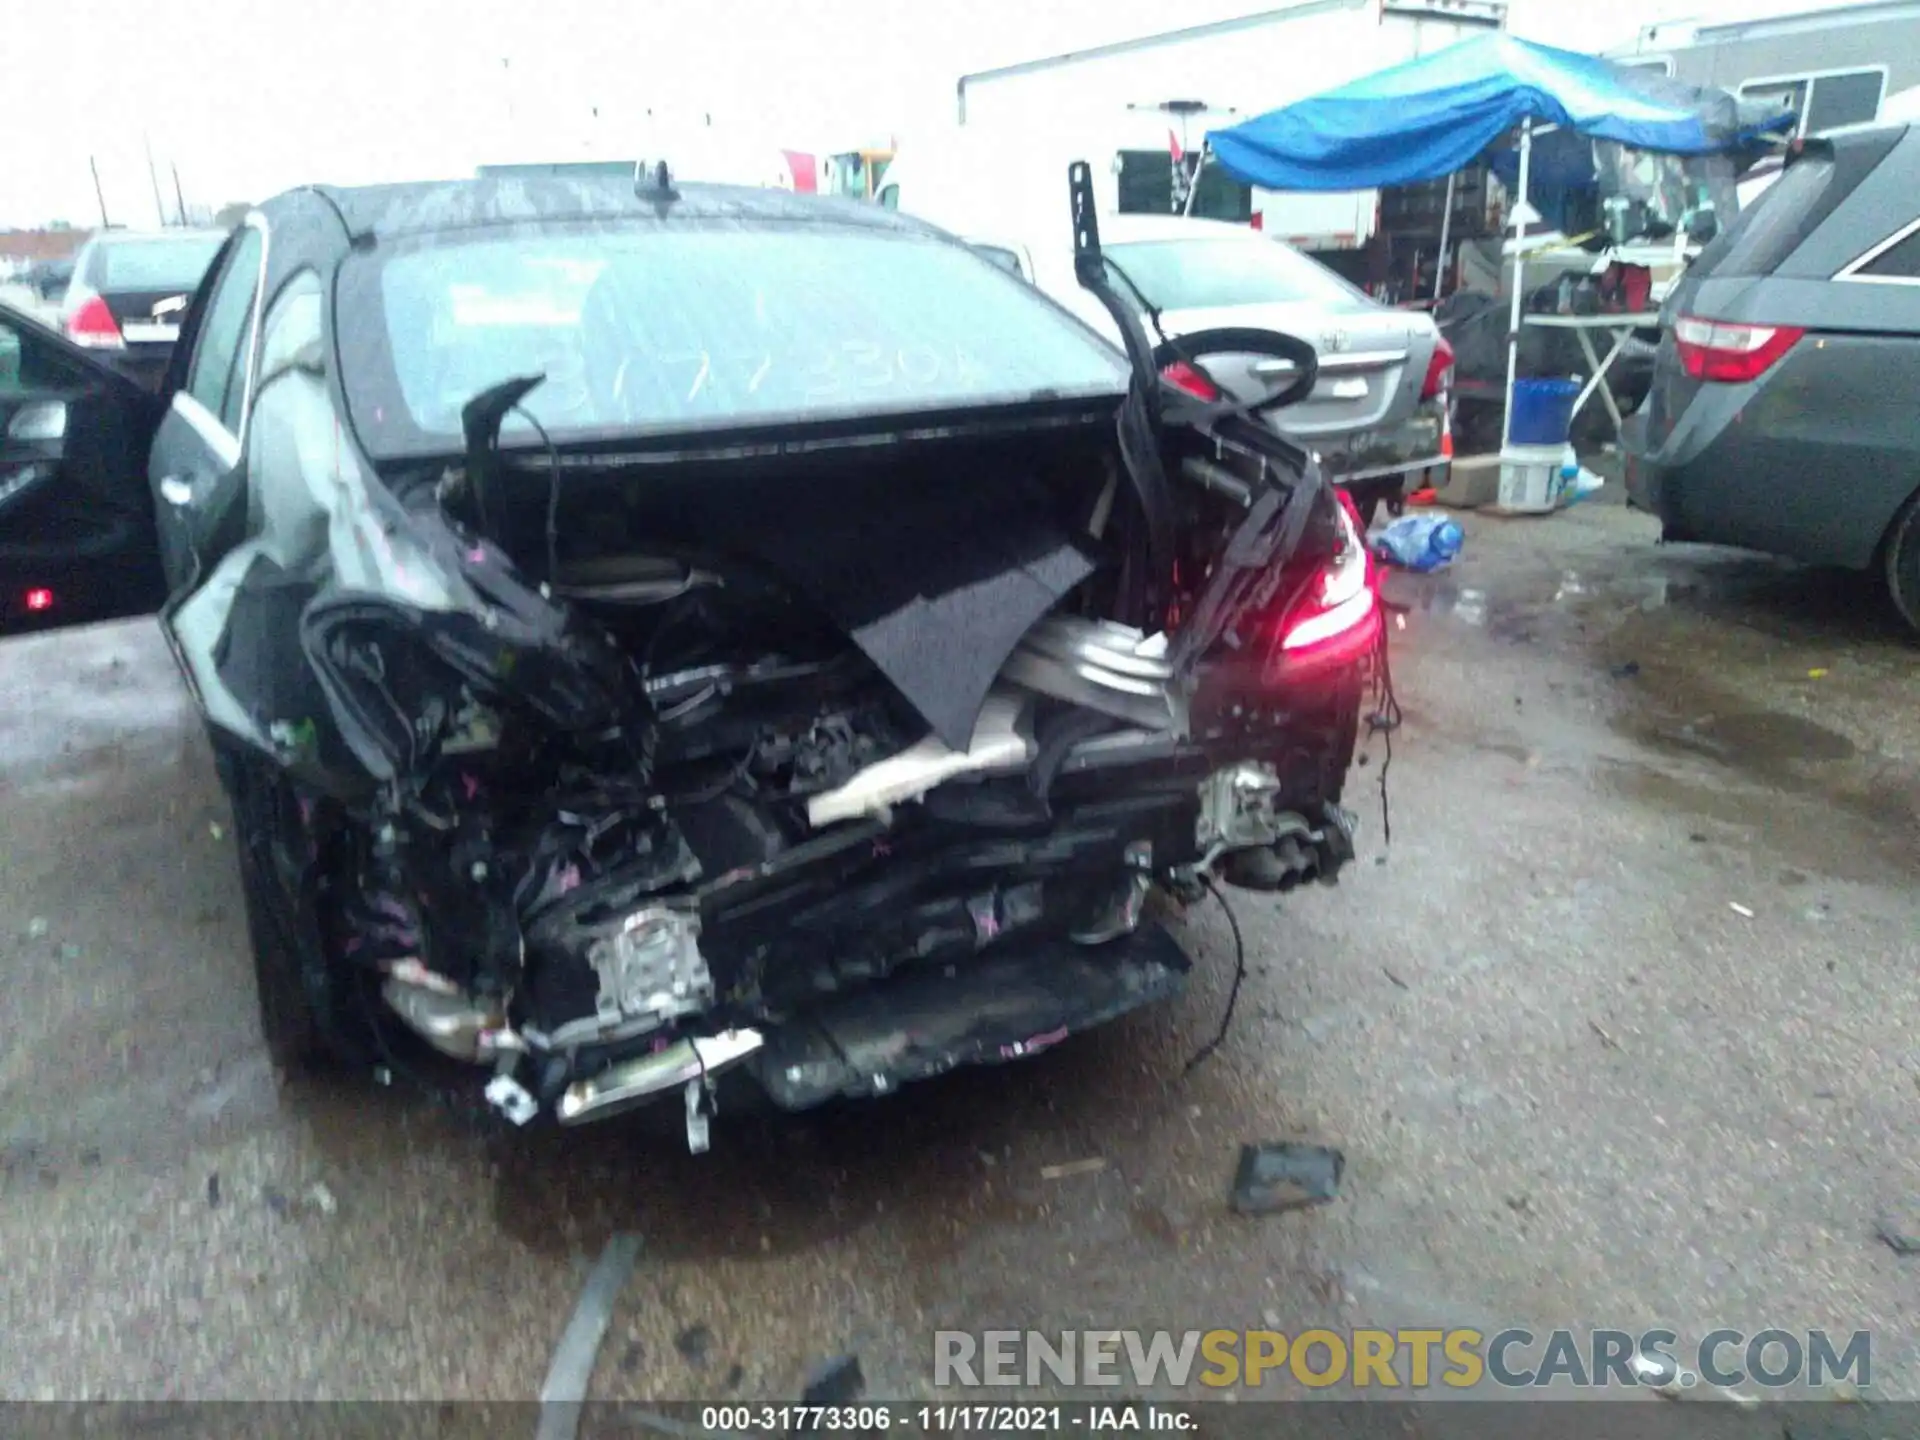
(1190,380)
(93,325)
(1730,354)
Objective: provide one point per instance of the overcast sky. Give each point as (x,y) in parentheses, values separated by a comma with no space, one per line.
(247,97)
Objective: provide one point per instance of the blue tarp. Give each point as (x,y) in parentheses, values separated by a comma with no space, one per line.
(1430,117)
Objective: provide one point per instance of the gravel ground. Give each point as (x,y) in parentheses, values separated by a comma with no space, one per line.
(1617,1031)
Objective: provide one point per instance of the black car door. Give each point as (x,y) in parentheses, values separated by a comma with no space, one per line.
(199,485)
(77,535)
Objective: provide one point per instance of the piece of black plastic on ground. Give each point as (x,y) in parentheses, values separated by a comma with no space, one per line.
(834,1382)
(1286,1175)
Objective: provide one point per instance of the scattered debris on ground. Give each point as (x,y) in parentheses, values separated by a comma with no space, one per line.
(1900,1233)
(1606,1039)
(1287,1175)
(834,1382)
(1741,910)
(695,1344)
(1091,1166)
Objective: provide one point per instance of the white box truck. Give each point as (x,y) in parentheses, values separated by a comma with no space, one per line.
(1138,110)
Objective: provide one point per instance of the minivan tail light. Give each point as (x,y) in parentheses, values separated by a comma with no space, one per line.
(1439,370)
(93,325)
(1730,354)
(1337,615)
(1190,380)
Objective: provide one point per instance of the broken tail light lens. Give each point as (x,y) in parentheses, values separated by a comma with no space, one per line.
(1190,380)
(93,325)
(1337,615)
(1439,370)
(1713,350)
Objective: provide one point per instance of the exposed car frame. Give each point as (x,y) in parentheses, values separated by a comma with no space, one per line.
(480,831)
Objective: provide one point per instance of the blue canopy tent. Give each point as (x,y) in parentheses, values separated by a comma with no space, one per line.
(1433,116)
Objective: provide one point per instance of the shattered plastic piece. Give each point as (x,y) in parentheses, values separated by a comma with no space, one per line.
(1090,1166)
(1739,909)
(997,745)
(695,1344)
(510,1098)
(216,830)
(834,1382)
(321,1198)
(699,1132)
(571,1368)
(37,928)
(1285,1176)
(1903,1239)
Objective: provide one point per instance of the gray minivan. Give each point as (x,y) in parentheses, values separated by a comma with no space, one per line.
(1783,414)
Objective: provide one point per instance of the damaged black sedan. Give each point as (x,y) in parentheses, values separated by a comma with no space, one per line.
(652,632)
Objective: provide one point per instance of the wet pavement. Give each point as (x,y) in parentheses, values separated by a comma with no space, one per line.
(1619,1030)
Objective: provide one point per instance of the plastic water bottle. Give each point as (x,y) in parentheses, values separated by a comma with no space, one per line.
(1420,543)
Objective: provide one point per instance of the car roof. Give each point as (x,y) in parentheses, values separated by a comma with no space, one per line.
(1125,229)
(415,207)
(139,237)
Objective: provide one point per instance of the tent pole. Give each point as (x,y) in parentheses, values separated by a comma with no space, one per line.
(1193,185)
(1446,227)
(1519,269)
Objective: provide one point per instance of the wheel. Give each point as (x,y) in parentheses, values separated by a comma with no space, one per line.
(1903,561)
(300,1009)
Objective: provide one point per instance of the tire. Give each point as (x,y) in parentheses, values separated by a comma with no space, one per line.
(1903,562)
(284,934)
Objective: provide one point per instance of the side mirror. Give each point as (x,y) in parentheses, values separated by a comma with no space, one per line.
(39,420)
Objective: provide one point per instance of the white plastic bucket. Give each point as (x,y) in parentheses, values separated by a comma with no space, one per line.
(1530,479)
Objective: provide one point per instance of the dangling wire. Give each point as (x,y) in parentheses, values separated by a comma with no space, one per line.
(553,493)
(1383,720)
(1205,1052)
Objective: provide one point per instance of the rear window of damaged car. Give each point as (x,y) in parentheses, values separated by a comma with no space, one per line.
(165,264)
(1224,273)
(689,327)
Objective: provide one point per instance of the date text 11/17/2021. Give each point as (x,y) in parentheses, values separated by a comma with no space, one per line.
(882,1418)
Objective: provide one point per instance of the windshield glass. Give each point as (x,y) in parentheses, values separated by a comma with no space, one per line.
(1201,274)
(159,264)
(685,327)
(1644,196)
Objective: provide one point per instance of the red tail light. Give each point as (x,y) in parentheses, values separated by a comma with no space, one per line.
(1338,616)
(1730,354)
(1439,370)
(39,599)
(1190,380)
(93,325)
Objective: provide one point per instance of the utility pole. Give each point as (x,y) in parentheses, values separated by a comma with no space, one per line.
(179,199)
(159,206)
(98,193)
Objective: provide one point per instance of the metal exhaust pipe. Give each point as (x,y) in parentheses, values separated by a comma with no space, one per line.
(631,1081)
